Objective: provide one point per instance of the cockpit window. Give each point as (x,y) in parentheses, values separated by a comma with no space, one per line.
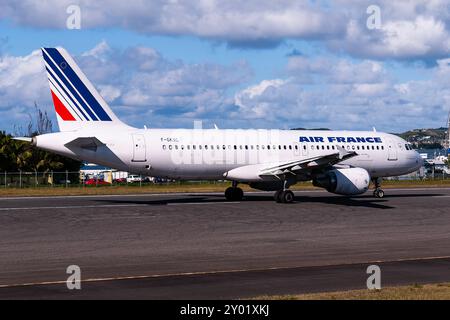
(408,146)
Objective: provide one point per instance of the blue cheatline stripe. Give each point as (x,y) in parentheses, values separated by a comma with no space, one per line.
(73,77)
(62,96)
(59,76)
(55,81)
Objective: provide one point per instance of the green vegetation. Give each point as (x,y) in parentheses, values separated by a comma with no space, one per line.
(414,292)
(425,138)
(20,156)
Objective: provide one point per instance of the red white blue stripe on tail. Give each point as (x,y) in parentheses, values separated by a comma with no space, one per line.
(74,97)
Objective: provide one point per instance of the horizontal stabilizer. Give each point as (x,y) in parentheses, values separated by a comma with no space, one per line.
(90,143)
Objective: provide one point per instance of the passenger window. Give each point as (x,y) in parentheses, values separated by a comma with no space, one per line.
(164,147)
(170,147)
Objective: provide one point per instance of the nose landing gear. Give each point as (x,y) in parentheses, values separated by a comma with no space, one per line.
(234,193)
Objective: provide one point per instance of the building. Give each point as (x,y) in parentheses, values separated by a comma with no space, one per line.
(91,170)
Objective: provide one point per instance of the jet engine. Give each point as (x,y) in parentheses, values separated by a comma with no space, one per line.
(348,181)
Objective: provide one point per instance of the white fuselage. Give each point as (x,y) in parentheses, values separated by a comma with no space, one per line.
(211,153)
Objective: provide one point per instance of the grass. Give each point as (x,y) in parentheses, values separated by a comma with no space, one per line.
(415,292)
(180,187)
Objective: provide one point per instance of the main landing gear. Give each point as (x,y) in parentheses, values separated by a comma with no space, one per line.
(284,196)
(378,192)
(234,193)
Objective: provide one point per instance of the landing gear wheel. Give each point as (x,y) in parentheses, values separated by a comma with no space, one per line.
(234,194)
(378,193)
(277,196)
(287,196)
(229,194)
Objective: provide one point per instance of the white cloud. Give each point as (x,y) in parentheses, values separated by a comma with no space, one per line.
(414,29)
(349,95)
(150,89)
(22,82)
(137,77)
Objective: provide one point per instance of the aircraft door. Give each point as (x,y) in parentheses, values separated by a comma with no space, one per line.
(139,148)
(392,151)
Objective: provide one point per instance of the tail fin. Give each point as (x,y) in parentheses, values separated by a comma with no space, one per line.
(77,103)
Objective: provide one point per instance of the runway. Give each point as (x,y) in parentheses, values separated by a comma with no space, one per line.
(194,246)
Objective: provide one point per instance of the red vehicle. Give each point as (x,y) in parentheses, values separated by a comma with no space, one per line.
(96,182)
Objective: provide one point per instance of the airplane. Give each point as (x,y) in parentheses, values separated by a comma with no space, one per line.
(342,162)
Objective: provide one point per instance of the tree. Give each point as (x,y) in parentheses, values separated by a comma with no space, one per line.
(18,155)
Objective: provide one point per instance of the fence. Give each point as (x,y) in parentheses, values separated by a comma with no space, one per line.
(67,179)
(23,179)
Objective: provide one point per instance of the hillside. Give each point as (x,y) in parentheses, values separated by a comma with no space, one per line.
(426,138)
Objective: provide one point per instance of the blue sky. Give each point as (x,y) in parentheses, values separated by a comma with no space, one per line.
(258,64)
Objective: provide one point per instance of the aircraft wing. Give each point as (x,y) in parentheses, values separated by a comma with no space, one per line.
(91,143)
(296,167)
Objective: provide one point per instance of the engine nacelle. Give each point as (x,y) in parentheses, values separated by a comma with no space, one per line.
(349,181)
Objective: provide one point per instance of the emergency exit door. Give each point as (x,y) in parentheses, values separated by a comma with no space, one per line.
(139,148)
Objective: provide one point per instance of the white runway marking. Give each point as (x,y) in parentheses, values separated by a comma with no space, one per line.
(112,206)
(195,203)
(169,194)
(201,273)
(73,207)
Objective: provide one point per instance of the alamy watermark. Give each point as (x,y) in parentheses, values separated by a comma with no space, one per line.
(374,280)
(73,21)
(73,282)
(373,21)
